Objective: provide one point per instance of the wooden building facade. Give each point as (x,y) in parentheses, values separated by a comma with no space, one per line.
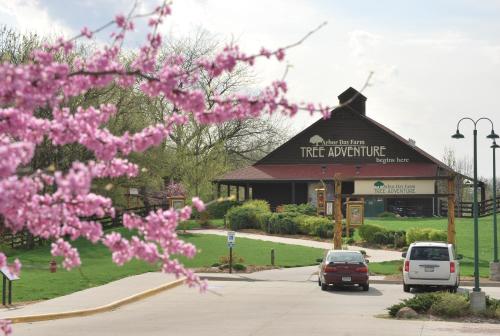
(374,164)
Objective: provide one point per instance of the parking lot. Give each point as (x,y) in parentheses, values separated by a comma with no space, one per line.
(260,308)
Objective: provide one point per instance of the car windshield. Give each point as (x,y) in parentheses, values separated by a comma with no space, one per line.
(429,253)
(345,257)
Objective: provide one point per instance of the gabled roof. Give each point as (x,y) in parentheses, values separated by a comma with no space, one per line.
(284,163)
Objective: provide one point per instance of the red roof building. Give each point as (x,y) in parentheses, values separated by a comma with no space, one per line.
(387,171)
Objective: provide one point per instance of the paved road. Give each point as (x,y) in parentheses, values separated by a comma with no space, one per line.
(258,308)
(374,255)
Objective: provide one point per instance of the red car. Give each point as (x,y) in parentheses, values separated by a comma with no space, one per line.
(343,268)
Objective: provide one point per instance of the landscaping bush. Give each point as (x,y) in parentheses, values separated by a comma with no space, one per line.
(303,209)
(421,303)
(263,220)
(314,226)
(450,305)
(220,209)
(389,237)
(438,235)
(393,310)
(204,219)
(386,214)
(242,218)
(250,215)
(239,267)
(261,205)
(283,223)
(381,238)
(368,231)
(425,234)
(351,231)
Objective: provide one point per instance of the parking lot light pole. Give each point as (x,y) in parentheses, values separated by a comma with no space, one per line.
(478,302)
(494,146)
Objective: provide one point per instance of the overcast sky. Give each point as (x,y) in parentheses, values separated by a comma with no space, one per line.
(434,61)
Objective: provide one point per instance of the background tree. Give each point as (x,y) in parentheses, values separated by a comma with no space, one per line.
(57,204)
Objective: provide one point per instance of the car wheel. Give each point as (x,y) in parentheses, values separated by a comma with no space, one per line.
(453,289)
(324,286)
(366,287)
(406,288)
(319,282)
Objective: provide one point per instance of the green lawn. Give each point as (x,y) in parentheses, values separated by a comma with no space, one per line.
(37,283)
(464,236)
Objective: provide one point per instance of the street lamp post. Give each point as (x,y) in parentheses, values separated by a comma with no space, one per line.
(495,265)
(478,300)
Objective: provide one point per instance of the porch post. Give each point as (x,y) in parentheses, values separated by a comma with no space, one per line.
(218,190)
(247,192)
(228,190)
(237,193)
(293,192)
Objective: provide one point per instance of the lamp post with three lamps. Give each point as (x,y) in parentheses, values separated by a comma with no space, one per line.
(477,298)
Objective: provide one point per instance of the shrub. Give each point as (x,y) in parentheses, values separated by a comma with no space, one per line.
(283,223)
(393,310)
(219,209)
(242,218)
(257,204)
(236,259)
(438,235)
(421,303)
(239,267)
(314,226)
(492,308)
(263,220)
(368,231)
(424,234)
(351,231)
(204,219)
(450,305)
(386,214)
(303,209)
(251,215)
(348,241)
(381,238)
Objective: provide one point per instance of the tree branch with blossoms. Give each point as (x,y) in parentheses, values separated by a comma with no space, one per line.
(54,205)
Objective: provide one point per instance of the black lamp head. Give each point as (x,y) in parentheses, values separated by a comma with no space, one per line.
(458,135)
(494,145)
(492,135)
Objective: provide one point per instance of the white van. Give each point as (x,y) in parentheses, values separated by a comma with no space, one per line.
(431,264)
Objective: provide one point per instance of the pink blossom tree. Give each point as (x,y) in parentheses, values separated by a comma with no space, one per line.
(56,205)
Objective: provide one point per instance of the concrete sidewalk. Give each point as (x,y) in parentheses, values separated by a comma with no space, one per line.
(373,255)
(91,297)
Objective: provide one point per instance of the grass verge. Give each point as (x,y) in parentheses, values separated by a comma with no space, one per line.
(37,283)
(464,237)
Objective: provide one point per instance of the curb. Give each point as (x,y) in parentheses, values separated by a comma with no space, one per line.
(96,310)
(372,281)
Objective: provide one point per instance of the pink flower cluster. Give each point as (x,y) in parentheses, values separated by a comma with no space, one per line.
(61,205)
(175,189)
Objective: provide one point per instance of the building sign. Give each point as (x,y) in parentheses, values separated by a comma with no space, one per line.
(394,187)
(347,149)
